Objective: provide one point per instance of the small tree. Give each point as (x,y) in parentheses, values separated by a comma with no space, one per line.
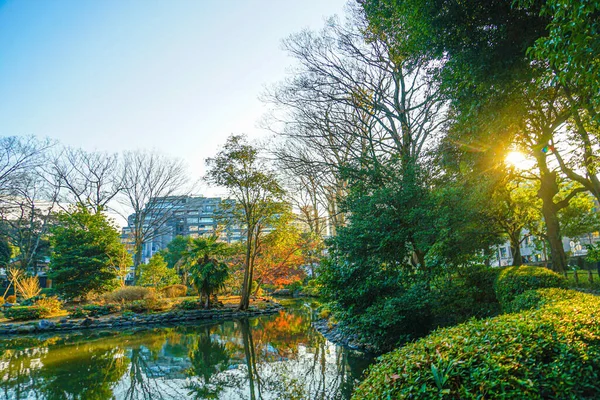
(84,245)
(208,274)
(157,274)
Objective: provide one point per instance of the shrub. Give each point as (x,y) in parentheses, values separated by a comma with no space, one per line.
(49,306)
(22,313)
(29,287)
(11,299)
(2,301)
(78,312)
(174,291)
(96,310)
(190,305)
(514,281)
(148,305)
(557,355)
(129,293)
(466,294)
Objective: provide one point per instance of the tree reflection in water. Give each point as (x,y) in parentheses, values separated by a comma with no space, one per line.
(270,357)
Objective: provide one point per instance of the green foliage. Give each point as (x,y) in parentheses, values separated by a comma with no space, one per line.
(580,217)
(79,312)
(176,250)
(208,274)
(190,305)
(97,310)
(156,273)
(552,352)
(464,294)
(20,313)
(83,246)
(5,252)
(174,291)
(514,281)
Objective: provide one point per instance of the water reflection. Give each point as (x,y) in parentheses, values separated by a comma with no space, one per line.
(272,357)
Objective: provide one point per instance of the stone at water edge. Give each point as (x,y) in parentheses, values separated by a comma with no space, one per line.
(45,324)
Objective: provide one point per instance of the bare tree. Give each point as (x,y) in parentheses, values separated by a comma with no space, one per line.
(19,156)
(92,179)
(153,187)
(352,102)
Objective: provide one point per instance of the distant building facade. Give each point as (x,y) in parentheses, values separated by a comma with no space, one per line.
(191,216)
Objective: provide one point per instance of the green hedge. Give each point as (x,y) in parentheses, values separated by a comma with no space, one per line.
(23,313)
(513,281)
(550,352)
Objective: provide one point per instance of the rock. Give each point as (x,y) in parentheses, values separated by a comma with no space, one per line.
(64,320)
(282,292)
(25,329)
(87,322)
(45,324)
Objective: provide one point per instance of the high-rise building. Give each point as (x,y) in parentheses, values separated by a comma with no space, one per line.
(191,216)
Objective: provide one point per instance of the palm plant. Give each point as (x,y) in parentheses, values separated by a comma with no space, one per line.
(208,273)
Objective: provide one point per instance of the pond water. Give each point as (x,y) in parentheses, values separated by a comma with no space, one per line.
(278,356)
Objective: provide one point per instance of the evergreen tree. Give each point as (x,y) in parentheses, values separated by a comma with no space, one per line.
(83,246)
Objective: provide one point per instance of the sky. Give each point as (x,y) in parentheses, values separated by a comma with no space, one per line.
(175,76)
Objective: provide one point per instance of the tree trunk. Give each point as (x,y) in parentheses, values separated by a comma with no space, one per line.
(515,248)
(246,283)
(137,261)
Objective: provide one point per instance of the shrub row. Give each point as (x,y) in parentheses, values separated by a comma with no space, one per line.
(23,313)
(549,352)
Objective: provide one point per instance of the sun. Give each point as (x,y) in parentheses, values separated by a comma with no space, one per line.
(518,160)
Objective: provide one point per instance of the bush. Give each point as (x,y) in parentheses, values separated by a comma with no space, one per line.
(11,299)
(148,305)
(23,313)
(129,293)
(552,352)
(190,305)
(2,301)
(174,291)
(466,294)
(514,281)
(96,310)
(48,306)
(78,312)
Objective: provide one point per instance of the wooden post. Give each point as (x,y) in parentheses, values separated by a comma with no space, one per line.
(576,277)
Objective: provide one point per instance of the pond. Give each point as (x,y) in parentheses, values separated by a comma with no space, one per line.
(279,356)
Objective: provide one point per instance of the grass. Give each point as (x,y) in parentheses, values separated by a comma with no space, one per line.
(583,279)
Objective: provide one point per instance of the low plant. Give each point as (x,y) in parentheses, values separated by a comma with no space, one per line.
(29,287)
(148,305)
(129,293)
(49,306)
(12,299)
(20,313)
(557,356)
(190,305)
(514,281)
(174,291)
(2,301)
(78,312)
(97,310)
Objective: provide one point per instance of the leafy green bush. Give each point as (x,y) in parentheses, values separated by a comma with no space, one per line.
(514,281)
(96,310)
(19,313)
(78,312)
(190,305)
(465,294)
(173,291)
(129,293)
(552,352)
(534,299)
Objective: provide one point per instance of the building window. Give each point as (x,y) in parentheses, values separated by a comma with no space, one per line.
(192,220)
(193,228)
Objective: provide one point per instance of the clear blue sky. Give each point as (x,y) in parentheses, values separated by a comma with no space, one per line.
(178,75)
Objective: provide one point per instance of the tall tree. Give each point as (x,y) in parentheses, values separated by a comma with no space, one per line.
(89,178)
(84,245)
(151,184)
(257,194)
